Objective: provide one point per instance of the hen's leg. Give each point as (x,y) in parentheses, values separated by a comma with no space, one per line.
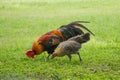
(70,57)
(79,56)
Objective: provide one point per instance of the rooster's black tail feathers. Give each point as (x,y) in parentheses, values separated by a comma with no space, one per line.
(77,23)
(72,29)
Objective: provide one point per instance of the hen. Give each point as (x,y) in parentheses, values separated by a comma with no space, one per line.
(71,46)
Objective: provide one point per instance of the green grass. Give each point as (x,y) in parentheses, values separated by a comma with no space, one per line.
(22,21)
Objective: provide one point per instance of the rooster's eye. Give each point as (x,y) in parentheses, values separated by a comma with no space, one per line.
(50,41)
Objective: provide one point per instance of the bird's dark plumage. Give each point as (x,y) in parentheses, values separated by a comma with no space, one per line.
(49,41)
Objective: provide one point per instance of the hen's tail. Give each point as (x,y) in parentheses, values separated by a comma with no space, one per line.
(81,38)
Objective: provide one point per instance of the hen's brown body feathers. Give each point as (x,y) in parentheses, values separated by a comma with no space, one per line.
(71,46)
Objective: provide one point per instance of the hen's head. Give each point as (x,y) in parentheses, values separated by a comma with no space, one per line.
(30,54)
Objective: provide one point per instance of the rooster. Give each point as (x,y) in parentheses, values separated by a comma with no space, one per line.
(71,46)
(50,40)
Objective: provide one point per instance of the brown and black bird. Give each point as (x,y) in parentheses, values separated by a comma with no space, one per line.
(50,40)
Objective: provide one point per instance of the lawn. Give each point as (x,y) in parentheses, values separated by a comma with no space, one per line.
(22,21)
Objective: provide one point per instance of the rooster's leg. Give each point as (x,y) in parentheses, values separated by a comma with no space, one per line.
(48,56)
(79,56)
